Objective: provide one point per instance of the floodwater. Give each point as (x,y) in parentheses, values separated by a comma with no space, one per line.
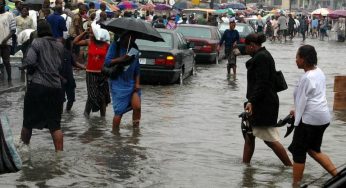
(189,136)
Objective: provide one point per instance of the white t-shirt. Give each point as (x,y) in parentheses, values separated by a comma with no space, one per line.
(310,99)
(7,24)
(68,20)
(97,14)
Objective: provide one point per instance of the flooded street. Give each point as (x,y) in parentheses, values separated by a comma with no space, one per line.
(189,135)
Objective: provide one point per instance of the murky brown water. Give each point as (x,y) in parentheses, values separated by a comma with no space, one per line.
(190,135)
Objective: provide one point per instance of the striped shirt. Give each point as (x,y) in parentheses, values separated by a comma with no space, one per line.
(7,24)
(46,56)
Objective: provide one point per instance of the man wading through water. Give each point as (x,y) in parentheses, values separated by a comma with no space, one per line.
(231,38)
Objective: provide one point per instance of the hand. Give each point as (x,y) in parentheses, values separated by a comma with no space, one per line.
(137,88)
(4,42)
(293,113)
(218,48)
(248,108)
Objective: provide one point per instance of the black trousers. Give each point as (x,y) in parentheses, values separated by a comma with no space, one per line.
(5,55)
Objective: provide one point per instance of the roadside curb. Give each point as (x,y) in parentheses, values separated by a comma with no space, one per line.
(20,87)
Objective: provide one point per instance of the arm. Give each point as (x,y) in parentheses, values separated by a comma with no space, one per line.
(301,99)
(76,64)
(111,56)
(262,75)
(31,56)
(236,39)
(62,24)
(79,40)
(12,29)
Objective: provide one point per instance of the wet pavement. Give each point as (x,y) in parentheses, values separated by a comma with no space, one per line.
(189,137)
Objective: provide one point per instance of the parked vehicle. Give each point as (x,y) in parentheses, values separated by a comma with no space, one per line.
(205,40)
(243,29)
(166,62)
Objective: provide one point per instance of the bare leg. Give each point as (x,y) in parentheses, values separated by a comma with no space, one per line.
(234,67)
(298,169)
(116,123)
(26,135)
(280,151)
(324,161)
(249,148)
(136,106)
(87,109)
(103,109)
(58,140)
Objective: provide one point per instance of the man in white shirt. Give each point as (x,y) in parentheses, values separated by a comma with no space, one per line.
(102,9)
(311,114)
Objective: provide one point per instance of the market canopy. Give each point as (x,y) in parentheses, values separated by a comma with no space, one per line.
(322,11)
(229,11)
(337,14)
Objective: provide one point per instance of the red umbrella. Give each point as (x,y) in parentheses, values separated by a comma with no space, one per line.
(338,14)
(127,5)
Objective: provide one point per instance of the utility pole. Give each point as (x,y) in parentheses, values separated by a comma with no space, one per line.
(290,6)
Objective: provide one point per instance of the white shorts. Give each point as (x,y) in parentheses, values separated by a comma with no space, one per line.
(270,134)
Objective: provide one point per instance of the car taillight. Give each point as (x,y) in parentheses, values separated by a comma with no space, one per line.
(207,48)
(242,40)
(168,61)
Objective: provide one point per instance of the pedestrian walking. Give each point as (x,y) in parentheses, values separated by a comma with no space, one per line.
(43,99)
(263,101)
(275,27)
(231,38)
(282,24)
(125,88)
(311,114)
(303,26)
(7,30)
(67,78)
(97,84)
(291,25)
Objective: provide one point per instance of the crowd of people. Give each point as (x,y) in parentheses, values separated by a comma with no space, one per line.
(282,26)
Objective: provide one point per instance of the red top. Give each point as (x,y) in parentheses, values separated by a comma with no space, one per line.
(96,56)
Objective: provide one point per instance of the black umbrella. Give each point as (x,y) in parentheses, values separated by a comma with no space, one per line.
(143,29)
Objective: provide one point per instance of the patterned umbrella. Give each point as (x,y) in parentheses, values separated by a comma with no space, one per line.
(148,7)
(338,14)
(238,6)
(182,5)
(109,7)
(162,7)
(322,11)
(126,5)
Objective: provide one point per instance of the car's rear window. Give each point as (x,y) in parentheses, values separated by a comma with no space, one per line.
(197,32)
(167,37)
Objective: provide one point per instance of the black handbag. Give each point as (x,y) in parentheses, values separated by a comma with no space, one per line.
(279,82)
(112,71)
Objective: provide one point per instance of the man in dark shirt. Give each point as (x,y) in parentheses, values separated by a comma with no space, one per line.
(231,38)
(57,23)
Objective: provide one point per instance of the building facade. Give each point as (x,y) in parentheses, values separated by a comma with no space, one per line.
(306,4)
